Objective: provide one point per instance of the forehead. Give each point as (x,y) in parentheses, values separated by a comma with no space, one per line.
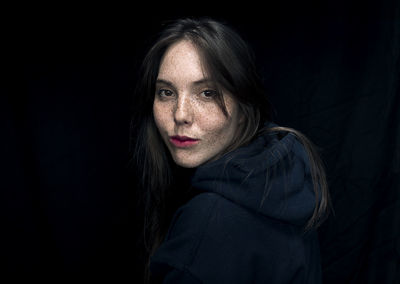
(182,62)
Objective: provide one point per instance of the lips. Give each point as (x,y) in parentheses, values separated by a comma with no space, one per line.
(183,141)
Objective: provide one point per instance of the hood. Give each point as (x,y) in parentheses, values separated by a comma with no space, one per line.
(270,176)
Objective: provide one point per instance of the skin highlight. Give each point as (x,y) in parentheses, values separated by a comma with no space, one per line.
(184,105)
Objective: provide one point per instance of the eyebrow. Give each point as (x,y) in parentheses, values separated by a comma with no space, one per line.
(195,83)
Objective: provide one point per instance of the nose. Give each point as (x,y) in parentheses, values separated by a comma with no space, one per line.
(183,113)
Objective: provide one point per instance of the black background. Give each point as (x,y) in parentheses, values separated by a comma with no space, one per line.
(68,191)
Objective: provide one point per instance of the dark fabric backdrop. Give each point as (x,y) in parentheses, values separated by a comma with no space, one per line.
(68,193)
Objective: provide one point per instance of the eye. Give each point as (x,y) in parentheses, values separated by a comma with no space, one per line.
(209,94)
(164,93)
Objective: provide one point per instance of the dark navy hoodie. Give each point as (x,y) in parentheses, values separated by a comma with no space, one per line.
(246,223)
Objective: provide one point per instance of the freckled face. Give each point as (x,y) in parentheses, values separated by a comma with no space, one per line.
(185,105)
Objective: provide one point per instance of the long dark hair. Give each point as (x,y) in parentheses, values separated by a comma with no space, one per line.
(230,63)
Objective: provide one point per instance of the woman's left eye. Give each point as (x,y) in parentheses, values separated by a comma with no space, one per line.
(208,93)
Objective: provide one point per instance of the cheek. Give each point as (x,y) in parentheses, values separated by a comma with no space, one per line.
(215,123)
(220,127)
(160,114)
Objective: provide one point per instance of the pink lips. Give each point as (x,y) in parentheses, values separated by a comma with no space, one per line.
(183,141)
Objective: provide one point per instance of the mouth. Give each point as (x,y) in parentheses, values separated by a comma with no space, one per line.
(183,141)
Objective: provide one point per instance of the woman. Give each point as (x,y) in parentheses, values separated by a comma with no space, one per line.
(229,196)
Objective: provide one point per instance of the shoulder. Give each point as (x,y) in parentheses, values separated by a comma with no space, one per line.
(197,210)
(185,231)
(212,238)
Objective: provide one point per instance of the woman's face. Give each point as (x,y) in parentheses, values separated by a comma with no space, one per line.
(188,117)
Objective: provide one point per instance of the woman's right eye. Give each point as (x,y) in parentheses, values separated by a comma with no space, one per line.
(164,93)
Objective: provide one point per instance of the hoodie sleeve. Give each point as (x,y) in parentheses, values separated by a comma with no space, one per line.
(213,240)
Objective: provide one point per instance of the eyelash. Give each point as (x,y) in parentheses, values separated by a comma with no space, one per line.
(162,92)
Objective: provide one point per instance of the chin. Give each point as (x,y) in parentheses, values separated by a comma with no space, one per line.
(185,163)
